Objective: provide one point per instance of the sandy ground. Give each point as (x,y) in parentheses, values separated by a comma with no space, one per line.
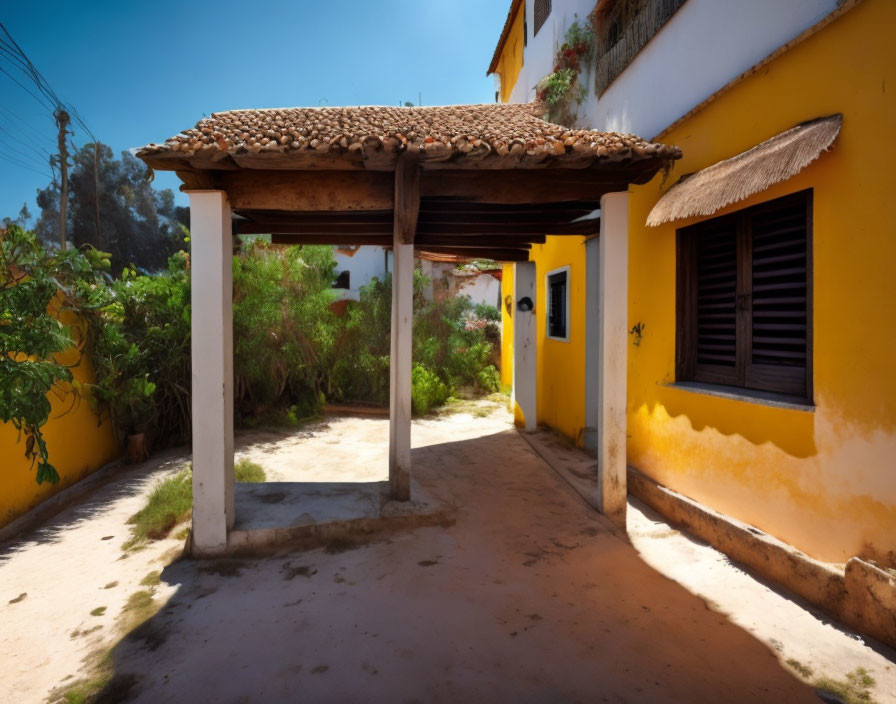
(787,625)
(529,597)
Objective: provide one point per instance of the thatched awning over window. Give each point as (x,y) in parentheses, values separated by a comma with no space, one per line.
(750,172)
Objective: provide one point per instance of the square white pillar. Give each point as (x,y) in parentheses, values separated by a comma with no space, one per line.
(211,286)
(524,343)
(612,352)
(400,369)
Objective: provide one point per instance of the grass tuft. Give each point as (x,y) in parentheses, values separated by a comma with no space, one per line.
(802,670)
(249,472)
(853,690)
(171,502)
(98,611)
(168,504)
(152,579)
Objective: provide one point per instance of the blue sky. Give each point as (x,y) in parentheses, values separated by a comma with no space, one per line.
(139,72)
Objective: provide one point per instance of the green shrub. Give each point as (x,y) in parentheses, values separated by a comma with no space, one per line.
(488,379)
(140,350)
(283,328)
(291,352)
(427,390)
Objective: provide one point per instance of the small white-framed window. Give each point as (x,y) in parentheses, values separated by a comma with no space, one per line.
(556,285)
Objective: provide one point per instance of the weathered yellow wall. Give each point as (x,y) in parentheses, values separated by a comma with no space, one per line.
(507,325)
(824,481)
(511,61)
(561,365)
(77,445)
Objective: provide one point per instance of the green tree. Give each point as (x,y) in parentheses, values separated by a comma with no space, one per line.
(113,207)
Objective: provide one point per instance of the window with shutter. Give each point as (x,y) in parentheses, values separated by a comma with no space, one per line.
(558,304)
(744,298)
(541,10)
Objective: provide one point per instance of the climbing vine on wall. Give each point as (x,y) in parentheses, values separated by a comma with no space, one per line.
(562,91)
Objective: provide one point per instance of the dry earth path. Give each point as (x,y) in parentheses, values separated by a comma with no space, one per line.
(528,597)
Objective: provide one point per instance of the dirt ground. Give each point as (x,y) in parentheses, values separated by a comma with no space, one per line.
(528,597)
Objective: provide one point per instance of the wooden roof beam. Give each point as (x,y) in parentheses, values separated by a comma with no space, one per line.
(322,238)
(498,254)
(407,196)
(461,229)
(473,242)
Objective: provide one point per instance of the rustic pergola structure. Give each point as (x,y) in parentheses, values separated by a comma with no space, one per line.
(480,181)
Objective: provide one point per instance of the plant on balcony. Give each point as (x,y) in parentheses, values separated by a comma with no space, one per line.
(561,91)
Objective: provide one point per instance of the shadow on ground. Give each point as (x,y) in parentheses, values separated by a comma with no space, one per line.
(529,597)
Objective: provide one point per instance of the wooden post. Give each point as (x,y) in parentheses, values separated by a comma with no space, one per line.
(407,206)
(613,353)
(212,370)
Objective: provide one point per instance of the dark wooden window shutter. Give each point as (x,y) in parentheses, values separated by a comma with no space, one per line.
(541,10)
(744,298)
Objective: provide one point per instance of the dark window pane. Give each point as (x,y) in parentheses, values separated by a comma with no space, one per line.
(557,305)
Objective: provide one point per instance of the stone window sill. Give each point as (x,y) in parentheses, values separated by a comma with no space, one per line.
(763,398)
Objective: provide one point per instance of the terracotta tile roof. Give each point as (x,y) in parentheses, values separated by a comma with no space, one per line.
(515,6)
(514,131)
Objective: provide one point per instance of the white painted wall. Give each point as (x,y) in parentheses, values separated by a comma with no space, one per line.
(538,54)
(368,262)
(705,45)
(484,288)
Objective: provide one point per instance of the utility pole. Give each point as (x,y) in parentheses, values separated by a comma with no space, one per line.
(96,189)
(62,120)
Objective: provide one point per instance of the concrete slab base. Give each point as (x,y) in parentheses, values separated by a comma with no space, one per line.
(273,517)
(576,467)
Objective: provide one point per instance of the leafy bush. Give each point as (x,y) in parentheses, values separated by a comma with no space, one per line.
(486,312)
(141,350)
(427,390)
(290,350)
(36,290)
(453,341)
(283,328)
(360,370)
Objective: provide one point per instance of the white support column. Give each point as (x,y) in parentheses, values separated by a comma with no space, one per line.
(613,350)
(525,368)
(211,269)
(592,344)
(400,370)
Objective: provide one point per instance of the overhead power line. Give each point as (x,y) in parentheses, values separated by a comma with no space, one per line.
(24,166)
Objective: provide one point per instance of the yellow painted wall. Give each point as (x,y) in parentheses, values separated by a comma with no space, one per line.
(77,444)
(561,365)
(510,62)
(507,325)
(823,481)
